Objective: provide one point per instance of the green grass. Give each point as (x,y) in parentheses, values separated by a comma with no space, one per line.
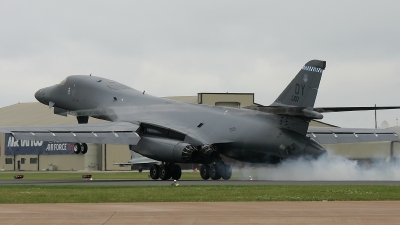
(95,175)
(97,194)
(167,193)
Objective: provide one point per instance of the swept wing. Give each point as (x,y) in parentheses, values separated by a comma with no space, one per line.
(123,133)
(335,135)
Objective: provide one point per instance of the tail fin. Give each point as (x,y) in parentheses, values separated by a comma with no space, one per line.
(303,89)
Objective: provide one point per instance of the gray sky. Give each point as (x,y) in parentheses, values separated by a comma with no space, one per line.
(173,48)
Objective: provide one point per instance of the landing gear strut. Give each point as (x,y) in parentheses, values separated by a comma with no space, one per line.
(165,172)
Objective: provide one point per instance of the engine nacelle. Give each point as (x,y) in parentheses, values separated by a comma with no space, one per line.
(166,150)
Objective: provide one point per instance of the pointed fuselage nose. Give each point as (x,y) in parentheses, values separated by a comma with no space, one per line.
(39,95)
(45,95)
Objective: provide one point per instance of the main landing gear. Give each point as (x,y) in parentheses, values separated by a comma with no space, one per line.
(80,148)
(216,171)
(165,172)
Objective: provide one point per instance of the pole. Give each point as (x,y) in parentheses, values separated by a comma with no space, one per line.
(105,157)
(376,125)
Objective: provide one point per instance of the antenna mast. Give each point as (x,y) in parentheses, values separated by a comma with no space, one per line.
(376,126)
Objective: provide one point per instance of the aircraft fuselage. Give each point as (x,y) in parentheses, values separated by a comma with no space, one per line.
(242,134)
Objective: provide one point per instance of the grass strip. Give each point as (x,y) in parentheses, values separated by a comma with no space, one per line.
(103,194)
(96,175)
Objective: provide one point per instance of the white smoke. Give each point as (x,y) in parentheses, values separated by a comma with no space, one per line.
(324,169)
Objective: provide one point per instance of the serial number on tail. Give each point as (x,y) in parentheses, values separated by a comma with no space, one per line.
(295,98)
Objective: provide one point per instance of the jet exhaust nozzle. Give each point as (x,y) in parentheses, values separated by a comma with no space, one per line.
(190,154)
(208,154)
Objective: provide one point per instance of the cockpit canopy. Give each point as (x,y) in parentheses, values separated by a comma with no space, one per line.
(64,81)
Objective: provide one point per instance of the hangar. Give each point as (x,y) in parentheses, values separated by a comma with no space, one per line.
(38,156)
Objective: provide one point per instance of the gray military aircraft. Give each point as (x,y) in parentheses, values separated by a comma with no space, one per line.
(175,132)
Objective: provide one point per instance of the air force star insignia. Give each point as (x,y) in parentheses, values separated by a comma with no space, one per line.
(305,78)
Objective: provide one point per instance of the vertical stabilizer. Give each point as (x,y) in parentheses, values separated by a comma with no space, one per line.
(303,89)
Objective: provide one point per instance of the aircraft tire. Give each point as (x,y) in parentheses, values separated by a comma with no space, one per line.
(165,172)
(176,172)
(84,148)
(214,172)
(227,174)
(77,148)
(155,172)
(205,172)
(140,170)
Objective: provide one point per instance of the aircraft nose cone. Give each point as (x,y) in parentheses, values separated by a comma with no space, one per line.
(38,95)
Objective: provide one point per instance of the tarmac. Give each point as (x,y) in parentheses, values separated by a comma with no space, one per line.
(204,213)
(189,182)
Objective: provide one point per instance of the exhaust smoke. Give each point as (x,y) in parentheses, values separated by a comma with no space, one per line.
(332,168)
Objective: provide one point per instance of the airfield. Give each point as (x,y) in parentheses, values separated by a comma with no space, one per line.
(128,201)
(87,182)
(204,213)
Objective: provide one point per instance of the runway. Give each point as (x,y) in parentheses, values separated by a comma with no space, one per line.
(188,182)
(187,213)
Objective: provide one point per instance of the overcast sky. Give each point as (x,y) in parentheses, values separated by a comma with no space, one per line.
(177,48)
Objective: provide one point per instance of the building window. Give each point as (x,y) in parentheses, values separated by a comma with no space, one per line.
(9,161)
(33,160)
(22,160)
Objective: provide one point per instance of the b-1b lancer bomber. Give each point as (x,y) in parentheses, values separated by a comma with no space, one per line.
(174,132)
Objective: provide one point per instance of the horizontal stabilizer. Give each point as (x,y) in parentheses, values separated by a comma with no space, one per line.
(298,112)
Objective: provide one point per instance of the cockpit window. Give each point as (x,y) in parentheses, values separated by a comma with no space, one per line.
(63,82)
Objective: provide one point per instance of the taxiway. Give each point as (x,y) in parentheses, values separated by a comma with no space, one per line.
(189,182)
